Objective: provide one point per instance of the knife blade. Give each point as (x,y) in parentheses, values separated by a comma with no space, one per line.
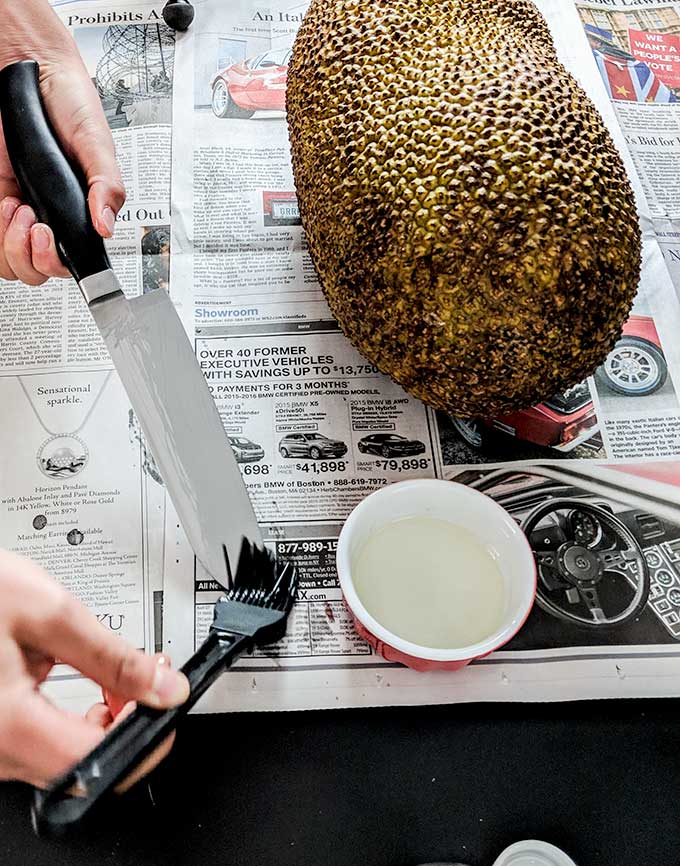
(144,336)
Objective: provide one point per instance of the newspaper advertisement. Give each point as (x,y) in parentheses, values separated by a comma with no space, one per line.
(315,427)
(77,490)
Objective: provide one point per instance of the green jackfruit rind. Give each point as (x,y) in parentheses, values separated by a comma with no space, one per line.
(467,212)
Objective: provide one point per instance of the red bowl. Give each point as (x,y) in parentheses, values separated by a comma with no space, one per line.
(468,508)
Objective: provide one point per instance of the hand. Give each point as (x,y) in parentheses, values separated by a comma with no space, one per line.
(40,622)
(32,31)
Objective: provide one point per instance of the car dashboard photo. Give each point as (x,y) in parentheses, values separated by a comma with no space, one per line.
(608,573)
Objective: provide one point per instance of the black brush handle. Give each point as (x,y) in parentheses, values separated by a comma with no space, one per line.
(56,190)
(126,746)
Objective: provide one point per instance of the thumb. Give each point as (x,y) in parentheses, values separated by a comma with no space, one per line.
(57,624)
(76,113)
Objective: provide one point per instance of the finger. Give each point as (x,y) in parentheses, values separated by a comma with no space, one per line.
(8,207)
(43,742)
(44,256)
(50,619)
(38,664)
(76,112)
(74,636)
(114,702)
(103,212)
(100,718)
(99,715)
(149,763)
(18,247)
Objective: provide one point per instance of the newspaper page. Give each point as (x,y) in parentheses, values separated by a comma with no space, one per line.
(636,46)
(315,427)
(78,494)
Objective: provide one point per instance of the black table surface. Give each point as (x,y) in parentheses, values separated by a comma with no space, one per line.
(389,787)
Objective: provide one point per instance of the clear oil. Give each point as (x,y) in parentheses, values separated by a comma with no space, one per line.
(430,582)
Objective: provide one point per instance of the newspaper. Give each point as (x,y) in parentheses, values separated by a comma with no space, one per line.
(636,46)
(76,492)
(316,428)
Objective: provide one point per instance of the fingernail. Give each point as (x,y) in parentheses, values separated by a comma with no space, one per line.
(9,205)
(25,217)
(40,239)
(168,687)
(109,219)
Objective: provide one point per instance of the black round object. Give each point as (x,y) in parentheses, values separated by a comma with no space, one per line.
(635,367)
(178,14)
(578,564)
(584,567)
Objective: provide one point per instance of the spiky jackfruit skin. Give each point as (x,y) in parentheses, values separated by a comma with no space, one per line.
(467,212)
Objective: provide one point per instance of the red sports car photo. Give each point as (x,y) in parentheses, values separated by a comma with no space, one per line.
(255,84)
(564,422)
(635,367)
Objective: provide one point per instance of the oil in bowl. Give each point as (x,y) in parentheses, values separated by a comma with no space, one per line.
(430,582)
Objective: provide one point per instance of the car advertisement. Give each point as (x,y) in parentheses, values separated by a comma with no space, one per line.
(313,426)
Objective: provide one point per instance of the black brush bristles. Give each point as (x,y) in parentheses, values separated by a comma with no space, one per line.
(262,581)
(283,592)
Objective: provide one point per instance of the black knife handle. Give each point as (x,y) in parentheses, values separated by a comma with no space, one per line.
(53,187)
(126,746)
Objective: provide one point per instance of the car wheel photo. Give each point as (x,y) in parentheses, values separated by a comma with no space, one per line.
(314,453)
(223,105)
(634,367)
(470,431)
(283,452)
(385,451)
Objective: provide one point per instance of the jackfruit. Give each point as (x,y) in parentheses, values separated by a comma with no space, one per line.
(468,215)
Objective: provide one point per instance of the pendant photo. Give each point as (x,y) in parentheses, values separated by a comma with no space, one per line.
(62,456)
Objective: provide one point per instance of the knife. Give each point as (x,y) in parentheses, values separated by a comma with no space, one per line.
(167,390)
(145,338)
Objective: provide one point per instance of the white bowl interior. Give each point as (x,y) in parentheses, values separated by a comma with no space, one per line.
(460,505)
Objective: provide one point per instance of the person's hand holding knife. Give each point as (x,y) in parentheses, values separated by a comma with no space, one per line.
(32,31)
(40,622)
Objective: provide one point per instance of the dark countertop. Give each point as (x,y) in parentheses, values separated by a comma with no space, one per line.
(390,787)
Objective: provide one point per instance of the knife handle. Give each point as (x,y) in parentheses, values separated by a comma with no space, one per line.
(55,189)
(127,744)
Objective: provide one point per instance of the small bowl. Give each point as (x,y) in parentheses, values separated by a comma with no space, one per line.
(464,507)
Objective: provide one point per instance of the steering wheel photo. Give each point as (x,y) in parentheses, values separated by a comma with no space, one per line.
(582,549)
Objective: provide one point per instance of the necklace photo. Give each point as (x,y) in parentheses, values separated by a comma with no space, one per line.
(63,454)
